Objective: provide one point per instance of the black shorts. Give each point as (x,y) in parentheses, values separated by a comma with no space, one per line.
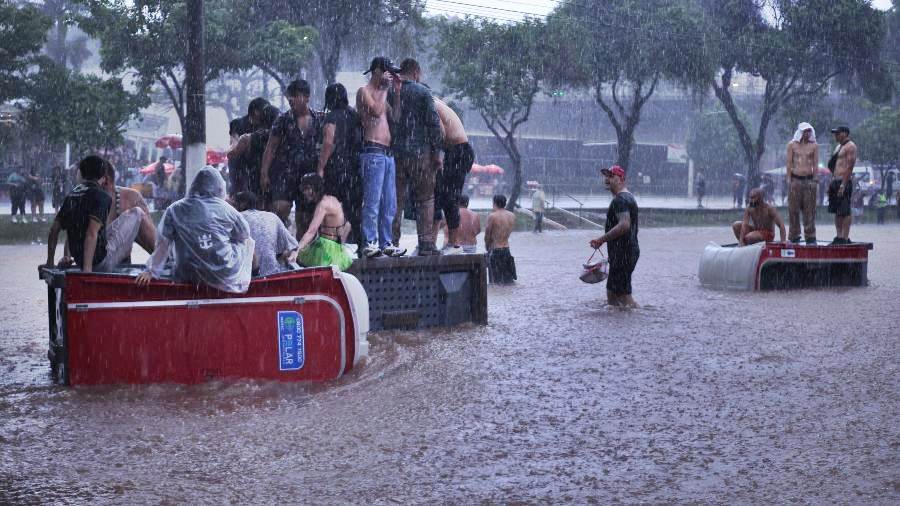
(501,266)
(620,269)
(458,162)
(839,204)
(284,184)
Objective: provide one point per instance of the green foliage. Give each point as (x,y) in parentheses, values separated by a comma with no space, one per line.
(282,49)
(622,50)
(498,68)
(629,41)
(878,137)
(713,145)
(798,47)
(22,33)
(84,110)
(148,38)
(814,109)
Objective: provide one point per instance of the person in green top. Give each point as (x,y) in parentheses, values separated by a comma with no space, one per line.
(881,207)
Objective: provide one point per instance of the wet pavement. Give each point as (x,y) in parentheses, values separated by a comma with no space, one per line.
(700,396)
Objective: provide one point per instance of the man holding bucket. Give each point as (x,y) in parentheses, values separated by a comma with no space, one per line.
(621,238)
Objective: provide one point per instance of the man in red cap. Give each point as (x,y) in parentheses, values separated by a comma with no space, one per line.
(621,239)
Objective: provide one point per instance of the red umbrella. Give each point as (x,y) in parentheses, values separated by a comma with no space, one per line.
(486,169)
(169,141)
(215,156)
(150,169)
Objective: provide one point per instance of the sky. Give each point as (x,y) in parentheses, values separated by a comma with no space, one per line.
(515,10)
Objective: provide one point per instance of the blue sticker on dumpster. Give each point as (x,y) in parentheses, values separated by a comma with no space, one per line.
(291,346)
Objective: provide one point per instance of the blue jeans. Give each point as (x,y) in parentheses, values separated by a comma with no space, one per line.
(379,197)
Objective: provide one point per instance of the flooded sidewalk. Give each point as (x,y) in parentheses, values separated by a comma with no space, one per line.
(700,396)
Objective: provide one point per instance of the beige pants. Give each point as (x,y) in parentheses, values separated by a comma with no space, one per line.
(802,201)
(422,174)
(120,237)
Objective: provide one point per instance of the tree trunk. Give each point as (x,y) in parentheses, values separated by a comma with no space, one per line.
(624,143)
(513,150)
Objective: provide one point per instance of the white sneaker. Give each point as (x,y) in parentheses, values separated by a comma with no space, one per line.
(393,251)
(34,219)
(371,250)
(15,219)
(43,219)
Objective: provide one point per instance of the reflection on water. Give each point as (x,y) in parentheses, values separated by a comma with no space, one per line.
(699,396)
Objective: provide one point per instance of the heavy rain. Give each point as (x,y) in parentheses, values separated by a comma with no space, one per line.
(435,251)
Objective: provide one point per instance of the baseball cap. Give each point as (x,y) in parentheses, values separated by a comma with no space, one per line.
(383,63)
(841,129)
(615,170)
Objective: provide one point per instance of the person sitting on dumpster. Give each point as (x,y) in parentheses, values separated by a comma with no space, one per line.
(759,221)
(276,248)
(322,243)
(210,239)
(95,243)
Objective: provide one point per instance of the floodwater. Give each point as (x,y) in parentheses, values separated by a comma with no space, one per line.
(700,396)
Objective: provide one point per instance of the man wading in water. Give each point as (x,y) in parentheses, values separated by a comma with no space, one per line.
(841,189)
(621,239)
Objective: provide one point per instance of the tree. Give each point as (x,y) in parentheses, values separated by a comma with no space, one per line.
(712,143)
(61,50)
(480,67)
(878,138)
(797,47)
(22,32)
(283,49)
(147,38)
(83,110)
(622,51)
(339,22)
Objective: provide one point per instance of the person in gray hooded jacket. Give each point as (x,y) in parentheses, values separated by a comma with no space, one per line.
(210,239)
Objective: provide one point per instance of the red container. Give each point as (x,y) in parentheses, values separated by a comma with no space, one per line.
(307,325)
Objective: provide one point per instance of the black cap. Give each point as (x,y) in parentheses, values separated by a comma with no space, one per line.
(841,129)
(383,63)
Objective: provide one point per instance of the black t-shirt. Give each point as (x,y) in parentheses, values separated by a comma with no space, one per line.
(347,139)
(85,202)
(299,150)
(624,247)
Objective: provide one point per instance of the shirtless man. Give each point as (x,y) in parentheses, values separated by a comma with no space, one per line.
(764,217)
(458,159)
(377,165)
(469,228)
(802,164)
(501,264)
(841,189)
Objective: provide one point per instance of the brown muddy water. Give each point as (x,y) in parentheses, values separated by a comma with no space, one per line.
(700,396)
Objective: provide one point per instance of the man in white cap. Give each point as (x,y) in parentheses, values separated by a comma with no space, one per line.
(802,166)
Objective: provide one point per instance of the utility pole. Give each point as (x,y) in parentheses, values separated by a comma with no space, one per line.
(195,70)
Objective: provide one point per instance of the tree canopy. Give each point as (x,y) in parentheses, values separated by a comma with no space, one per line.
(85,110)
(498,68)
(879,137)
(23,31)
(622,51)
(797,47)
